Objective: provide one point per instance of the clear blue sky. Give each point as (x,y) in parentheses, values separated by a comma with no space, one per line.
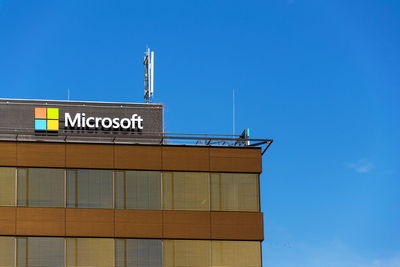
(321,78)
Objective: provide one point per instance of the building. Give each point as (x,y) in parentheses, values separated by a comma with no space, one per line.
(99,184)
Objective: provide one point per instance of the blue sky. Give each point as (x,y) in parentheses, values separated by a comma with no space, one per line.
(321,78)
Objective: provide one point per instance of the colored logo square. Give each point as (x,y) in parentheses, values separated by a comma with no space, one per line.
(40,113)
(40,125)
(52,125)
(52,113)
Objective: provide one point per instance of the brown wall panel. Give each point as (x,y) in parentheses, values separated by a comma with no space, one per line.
(138,157)
(8,154)
(138,223)
(185,158)
(90,156)
(237,225)
(40,221)
(40,154)
(187,224)
(131,223)
(90,222)
(7,220)
(235,160)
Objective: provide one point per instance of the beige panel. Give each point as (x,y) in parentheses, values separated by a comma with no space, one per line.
(40,221)
(235,159)
(7,220)
(185,158)
(41,154)
(237,225)
(187,224)
(138,223)
(137,157)
(8,154)
(90,156)
(90,222)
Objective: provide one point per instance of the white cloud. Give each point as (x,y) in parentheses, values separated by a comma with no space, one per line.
(361,166)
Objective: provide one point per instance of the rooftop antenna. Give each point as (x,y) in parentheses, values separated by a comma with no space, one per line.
(148,63)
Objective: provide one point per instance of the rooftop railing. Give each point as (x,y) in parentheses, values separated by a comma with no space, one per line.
(118,137)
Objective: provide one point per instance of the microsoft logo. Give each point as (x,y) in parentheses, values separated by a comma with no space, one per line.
(46,119)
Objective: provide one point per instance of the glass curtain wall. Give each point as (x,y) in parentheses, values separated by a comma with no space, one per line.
(151,190)
(108,252)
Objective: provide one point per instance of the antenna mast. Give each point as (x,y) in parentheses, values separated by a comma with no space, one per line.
(148,63)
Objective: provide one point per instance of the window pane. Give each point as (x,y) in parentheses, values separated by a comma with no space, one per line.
(90,188)
(40,251)
(46,187)
(40,187)
(138,253)
(143,190)
(186,253)
(236,254)
(7,187)
(186,191)
(72,177)
(7,251)
(94,252)
(120,192)
(22,176)
(235,192)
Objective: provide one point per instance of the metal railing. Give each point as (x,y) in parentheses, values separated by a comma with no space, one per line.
(118,137)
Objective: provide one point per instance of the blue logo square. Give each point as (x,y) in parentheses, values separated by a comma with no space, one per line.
(40,125)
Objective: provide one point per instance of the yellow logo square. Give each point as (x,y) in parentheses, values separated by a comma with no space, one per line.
(52,125)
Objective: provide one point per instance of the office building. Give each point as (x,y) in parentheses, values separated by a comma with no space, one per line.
(99,184)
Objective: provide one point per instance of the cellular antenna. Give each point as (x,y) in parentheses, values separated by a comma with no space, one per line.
(148,63)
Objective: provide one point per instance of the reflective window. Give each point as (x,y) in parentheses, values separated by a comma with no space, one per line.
(7,251)
(236,254)
(138,253)
(235,192)
(93,252)
(40,251)
(138,189)
(89,188)
(41,187)
(7,186)
(186,253)
(186,191)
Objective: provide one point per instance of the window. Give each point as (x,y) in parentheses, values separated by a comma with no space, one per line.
(41,187)
(7,251)
(187,253)
(137,190)
(40,251)
(138,253)
(236,254)
(235,192)
(93,252)
(7,186)
(89,188)
(186,190)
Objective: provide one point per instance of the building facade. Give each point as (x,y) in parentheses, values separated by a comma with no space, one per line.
(81,195)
